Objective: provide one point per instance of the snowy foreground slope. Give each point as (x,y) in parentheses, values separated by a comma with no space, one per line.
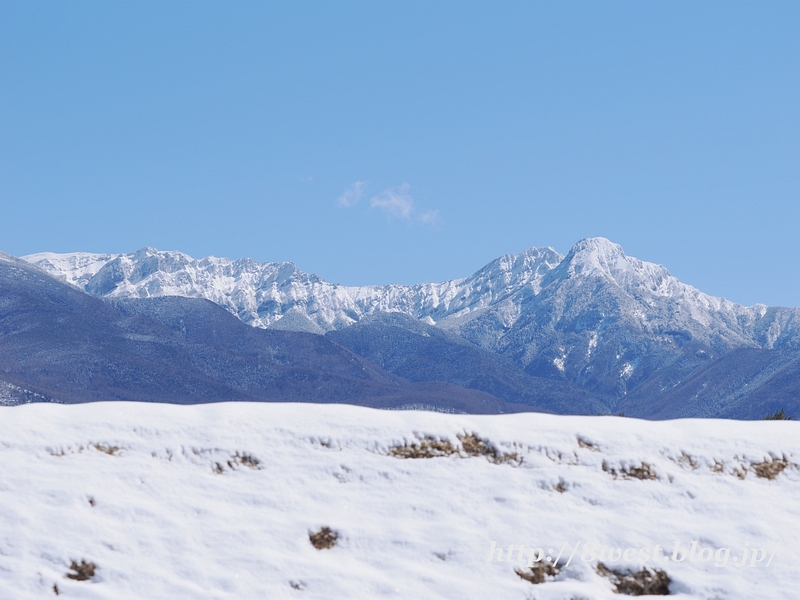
(218,501)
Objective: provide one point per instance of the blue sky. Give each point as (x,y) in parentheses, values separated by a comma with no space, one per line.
(376,142)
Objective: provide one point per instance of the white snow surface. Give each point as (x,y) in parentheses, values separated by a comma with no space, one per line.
(160,499)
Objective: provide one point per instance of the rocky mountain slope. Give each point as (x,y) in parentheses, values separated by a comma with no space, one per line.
(622,330)
(60,344)
(417,351)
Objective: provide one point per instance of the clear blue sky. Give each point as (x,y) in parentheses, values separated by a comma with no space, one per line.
(375,142)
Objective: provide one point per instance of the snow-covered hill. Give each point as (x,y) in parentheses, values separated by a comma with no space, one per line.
(220,501)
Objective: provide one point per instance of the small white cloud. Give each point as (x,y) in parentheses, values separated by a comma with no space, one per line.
(395,202)
(352,195)
(430,217)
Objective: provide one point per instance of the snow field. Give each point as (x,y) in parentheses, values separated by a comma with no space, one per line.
(218,501)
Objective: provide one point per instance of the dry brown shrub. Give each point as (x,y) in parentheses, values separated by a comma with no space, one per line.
(641,583)
(83,571)
(539,572)
(687,459)
(471,445)
(474,445)
(427,447)
(106,448)
(770,469)
(239,459)
(324,539)
(245,459)
(645,471)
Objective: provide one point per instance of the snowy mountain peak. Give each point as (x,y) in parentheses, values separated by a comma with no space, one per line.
(515,271)
(599,257)
(598,246)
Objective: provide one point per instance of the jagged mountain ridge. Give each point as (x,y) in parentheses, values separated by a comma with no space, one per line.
(263,294)
(59,344)
(596,317)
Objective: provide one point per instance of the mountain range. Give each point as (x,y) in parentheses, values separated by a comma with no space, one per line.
(60,344)
(595,331)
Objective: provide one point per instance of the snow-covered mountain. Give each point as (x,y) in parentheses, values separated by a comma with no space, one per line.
(264,294)
(596,317)
(609,321)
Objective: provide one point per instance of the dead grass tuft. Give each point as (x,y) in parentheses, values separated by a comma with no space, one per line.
(539,572)
(427,447)
(243,459)
(686,459)
(82,572)
(324,539)
(106,448)
(643,472)
(61,451)
(641,583)
(770,469)
(471,445)
(474,445)
(246,460)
